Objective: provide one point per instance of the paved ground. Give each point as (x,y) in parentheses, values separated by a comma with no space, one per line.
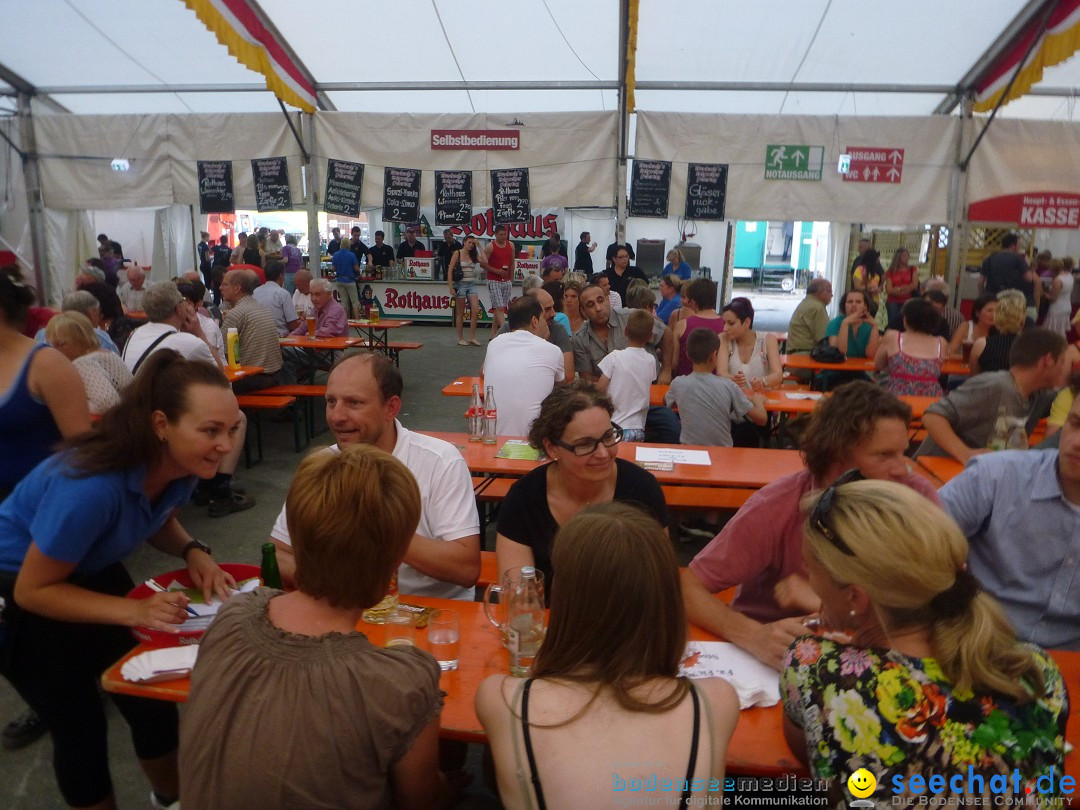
(26,780)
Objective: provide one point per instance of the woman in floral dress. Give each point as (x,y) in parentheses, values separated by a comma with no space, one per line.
(932,679)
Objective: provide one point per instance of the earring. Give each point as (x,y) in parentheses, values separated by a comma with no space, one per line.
(164,440)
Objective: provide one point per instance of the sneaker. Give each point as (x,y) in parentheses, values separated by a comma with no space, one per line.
(236,502)
(23,730)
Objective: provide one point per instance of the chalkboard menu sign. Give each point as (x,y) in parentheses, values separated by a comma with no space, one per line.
(706,190)
(272,191)
(215,187)
(401,195)
(343,183)
(510,196)
(453,198)
(650,186)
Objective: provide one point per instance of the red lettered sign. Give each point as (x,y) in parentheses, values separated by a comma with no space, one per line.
(1036,209)
(476,139)
(874,164)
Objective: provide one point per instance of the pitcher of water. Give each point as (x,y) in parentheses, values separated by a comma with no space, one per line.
(521,615)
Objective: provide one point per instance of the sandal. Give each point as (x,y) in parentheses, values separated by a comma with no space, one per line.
(474,342)
(463,343)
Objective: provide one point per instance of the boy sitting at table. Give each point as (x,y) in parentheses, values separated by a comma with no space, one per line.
(708,404)
(627,375)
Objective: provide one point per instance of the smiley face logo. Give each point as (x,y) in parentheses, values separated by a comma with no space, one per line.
(861,783)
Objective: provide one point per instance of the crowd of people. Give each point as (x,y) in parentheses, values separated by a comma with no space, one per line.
(938,615)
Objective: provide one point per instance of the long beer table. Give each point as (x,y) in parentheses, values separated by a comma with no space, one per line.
(748,467)
(803,362)
(758,746)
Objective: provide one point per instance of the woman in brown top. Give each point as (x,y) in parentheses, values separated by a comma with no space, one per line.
(290,706)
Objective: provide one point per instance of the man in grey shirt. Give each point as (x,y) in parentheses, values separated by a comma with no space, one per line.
(809,320)
(961,424)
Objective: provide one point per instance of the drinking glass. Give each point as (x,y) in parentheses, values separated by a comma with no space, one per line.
(444,638)
(400,629)
(311,325)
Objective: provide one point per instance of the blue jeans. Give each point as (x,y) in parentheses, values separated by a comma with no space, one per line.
(662,425)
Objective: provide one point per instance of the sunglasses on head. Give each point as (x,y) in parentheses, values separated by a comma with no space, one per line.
(820,513)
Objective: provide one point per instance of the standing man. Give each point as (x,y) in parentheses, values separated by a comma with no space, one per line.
(357,246)
(293,258)
(1007,269)
(237,256)
(864,245)
(498,261)
(301,297)
(810,320)
(583,254)
(206,257)
(255,325)
(553,246)
(408,248)
(621,271)
(335,241)
(522,367)
(363,399)
(380,255)
(276,298)
(447,247)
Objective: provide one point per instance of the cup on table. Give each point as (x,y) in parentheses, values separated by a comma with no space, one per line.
(311,327)
(966,351)
(444,638)
(400,629)
(374,315)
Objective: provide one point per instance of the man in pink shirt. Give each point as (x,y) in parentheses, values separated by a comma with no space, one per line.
(860,426)
(330,321)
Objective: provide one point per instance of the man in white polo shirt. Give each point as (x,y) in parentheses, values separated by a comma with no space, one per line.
(522,367)
(172,325)
(363,398)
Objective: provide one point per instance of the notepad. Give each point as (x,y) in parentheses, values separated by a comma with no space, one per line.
(674,455)
(756,683)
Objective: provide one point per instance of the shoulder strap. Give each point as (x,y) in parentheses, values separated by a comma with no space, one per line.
(684,800)
(533,775)
(149,349)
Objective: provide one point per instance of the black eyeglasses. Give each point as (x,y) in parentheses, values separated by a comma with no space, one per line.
(586,447)
(824,504)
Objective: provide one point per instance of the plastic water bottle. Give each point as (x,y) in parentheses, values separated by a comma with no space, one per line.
(490,416)
(474,417)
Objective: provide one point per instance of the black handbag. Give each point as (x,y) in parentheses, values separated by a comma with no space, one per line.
(824,353)
(458,274)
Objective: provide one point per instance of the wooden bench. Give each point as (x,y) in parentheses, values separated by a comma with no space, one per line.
(254,405)
(394,348)
(308,393)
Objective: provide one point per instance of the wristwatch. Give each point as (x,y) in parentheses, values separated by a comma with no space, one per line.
(192,545)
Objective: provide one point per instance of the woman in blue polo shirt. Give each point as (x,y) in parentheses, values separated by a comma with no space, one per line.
(64,532)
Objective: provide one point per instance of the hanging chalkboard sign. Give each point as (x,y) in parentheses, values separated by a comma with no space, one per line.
(343,183)
(272,192)
(215,187)
(453,198)
(706,190)
(510,196)
(401,195)
(650,185)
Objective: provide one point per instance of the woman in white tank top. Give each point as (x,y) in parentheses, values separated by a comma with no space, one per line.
(748,358)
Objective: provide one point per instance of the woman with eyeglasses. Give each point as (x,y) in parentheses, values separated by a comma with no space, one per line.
(574,429)
(933,679)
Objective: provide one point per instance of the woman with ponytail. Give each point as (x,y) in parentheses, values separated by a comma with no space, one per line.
(64,532)
(933,679)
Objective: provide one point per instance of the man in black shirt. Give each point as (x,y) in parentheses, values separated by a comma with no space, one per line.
(335,243)
(357,246)
(1007,269)
(583,254)
(380,255)
(447,247)
(614,246)
(408,248)
(553,245)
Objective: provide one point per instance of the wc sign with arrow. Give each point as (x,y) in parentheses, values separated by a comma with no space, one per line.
(874,164)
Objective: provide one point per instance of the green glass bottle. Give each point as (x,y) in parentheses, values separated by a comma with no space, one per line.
(271,576)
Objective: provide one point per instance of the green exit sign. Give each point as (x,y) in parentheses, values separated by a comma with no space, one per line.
(793,161)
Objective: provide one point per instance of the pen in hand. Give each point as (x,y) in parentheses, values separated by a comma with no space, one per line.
(154,585)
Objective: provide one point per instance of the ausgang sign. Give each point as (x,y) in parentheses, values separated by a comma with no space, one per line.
(1035,209)
(476,139)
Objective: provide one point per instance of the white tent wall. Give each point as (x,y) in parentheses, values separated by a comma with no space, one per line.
(741,140)
(571,157)
(174,251)
(1022,155)
(69,241)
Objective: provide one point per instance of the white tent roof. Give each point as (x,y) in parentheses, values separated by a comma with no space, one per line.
(789,56)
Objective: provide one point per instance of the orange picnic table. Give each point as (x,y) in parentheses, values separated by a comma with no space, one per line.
(748,467)
(758,746)
(943,468)
(803,362)
(234,374)
(376,331)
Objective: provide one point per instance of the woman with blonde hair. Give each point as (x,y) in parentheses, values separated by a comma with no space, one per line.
(598,677)
(933,679)
(991,353)
(1059,294)
(677,265)
(103,373)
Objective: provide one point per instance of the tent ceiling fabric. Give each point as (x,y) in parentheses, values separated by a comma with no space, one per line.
(120,43)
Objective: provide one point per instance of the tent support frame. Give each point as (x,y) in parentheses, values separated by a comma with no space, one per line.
(34,200)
